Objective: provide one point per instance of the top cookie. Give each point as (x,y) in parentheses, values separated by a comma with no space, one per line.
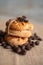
(19,24)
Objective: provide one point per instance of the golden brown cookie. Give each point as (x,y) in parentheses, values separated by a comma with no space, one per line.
(17,25)
(15,40)
(24,33)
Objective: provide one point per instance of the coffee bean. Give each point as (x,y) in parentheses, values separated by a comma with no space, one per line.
(16,49)
(37,43)
(33,44)
(7,23)
(27,47)
(20,19)
(32,38)
(23,52)
(22,46)
(2,33)
(35,34)
(24,17)
(1,39)
(4,44)
(39,39)
(25,20)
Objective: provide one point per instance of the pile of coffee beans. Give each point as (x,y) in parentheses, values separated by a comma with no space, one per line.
(32,41)
(21,19)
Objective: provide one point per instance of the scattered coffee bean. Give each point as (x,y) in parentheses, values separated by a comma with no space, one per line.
(23,52)
(33,44)
(22,46)
(37,43)
(16,49)
(27,47)
(32,38)
(39,39)
(4,44)
(2,33)
(1,39)
(35,34)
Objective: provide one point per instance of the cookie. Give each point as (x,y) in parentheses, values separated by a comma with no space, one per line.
(15,40)
(17,25)
(25,33)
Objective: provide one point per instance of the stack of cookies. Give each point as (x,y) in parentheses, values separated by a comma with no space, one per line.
(18,32)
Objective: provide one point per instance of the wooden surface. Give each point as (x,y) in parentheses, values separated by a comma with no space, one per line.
(33,57)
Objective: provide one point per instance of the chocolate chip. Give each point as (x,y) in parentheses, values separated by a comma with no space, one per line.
(27,47)
(37,43)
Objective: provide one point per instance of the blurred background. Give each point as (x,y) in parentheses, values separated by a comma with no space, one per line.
(33,9)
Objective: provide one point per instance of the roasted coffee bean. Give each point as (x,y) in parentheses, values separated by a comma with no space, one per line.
(35,34)
(7,23)
(27,47)
(25,20)
(0,44)
(32,38)
(39,39)
(20,19)
(4,44)
(23,52)
(2,33)
(22,46)
(33,44)
(24,17)
(1,39)
(37,43)
(16,49)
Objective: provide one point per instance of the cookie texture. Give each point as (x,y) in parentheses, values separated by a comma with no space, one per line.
(15,40)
